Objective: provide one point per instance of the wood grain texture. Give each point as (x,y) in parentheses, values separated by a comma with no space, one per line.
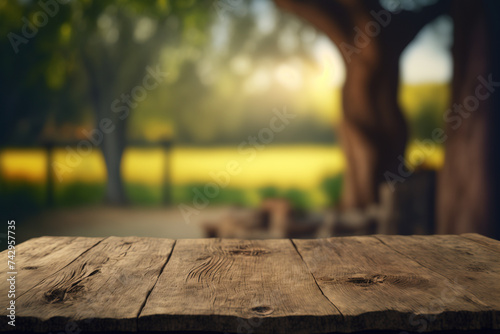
(103,290)
(462,261)
(487,242)
(237,286)
(38,258)
(374,287)
(381,283)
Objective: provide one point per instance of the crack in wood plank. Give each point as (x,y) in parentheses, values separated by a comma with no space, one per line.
(280,286)
(103,289)
(223,284)
(156,281)
(316,281)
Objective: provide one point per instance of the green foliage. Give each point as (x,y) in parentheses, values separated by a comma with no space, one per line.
(198,193)
(298,198)
(20,198)
(143,194)
(83,57)
(269,192)
(79,193)
(332,187)
(426,120)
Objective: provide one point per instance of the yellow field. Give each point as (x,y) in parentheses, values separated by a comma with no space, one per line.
(281,166)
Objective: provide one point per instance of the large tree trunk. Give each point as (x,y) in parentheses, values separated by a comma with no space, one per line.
(466,182)
(373,132)
(493,20)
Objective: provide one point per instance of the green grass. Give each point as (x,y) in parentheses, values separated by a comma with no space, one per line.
(21,198)
(79,193)
(28,197)
(143,194)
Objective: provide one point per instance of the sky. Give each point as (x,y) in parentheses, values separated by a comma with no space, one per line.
(426,59)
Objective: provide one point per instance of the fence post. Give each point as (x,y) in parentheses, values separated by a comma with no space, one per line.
(49,147)
(167,179)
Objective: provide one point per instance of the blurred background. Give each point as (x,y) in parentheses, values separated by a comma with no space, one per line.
(186,119)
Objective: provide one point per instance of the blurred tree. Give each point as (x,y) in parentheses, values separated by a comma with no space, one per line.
(113,47)
(468,186)
(371,39)
(120,45)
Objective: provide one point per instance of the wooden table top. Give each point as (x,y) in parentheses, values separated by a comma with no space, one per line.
(411,283)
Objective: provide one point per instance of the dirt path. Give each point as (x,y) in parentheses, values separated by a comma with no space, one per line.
(108,221)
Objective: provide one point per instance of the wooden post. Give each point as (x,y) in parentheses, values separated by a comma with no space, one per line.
(49,190)
(167,179)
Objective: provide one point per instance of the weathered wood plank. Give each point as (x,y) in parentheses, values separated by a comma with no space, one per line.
(378,283)
(103,290)
(38,258)
(469,265)
(375,288)
(237,286)
(487,242)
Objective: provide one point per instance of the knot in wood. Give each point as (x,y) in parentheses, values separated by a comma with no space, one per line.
(365,280)
(262,310)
